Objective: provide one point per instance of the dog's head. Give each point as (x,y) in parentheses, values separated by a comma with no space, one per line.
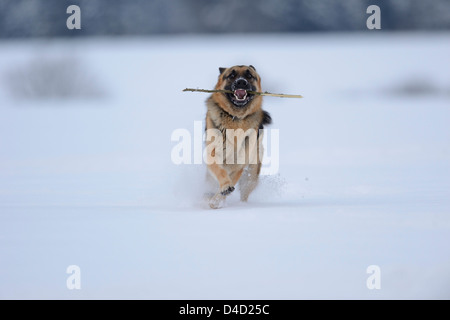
(240,80)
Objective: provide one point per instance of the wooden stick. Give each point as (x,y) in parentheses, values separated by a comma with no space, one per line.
(281,95)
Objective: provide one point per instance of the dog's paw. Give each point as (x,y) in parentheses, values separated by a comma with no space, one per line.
(226,191)
(217,201)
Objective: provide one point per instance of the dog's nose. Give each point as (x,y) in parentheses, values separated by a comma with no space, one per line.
(241,82)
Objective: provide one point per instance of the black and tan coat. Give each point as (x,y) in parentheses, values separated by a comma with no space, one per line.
(233,132)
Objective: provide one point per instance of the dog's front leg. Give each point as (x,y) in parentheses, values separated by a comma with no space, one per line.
(225,184)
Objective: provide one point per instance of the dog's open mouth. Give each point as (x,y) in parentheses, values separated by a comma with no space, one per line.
(240,94)
(240,97)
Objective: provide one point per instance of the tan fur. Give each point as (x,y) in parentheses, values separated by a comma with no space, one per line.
(222,114)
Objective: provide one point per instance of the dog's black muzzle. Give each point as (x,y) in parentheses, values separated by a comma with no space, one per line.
(241,83)
(240,95)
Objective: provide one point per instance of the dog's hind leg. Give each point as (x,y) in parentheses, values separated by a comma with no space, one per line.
(249,180)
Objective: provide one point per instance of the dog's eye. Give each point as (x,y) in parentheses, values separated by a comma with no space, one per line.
(248,75)
(232,75)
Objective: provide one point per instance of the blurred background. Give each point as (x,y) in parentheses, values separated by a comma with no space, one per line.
(42,18)
(86,123)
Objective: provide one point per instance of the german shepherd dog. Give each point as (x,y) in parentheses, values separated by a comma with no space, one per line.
(233,132)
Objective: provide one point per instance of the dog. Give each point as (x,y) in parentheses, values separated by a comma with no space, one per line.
(234,123)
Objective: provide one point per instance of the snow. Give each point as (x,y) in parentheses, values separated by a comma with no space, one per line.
(363,180)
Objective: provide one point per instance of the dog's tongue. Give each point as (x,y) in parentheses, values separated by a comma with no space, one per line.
(240,93)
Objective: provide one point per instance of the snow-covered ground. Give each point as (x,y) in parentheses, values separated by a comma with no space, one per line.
(363,177)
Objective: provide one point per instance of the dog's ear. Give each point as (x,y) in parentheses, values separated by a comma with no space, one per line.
(221,70)
(252,67)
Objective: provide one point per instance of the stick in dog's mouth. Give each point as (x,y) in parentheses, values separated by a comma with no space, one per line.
(280,95)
